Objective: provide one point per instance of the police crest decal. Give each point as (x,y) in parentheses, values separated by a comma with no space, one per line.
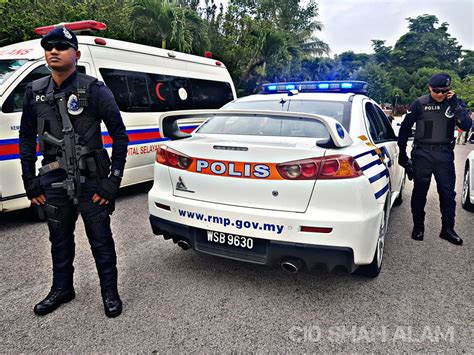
(73,106)
(449,113)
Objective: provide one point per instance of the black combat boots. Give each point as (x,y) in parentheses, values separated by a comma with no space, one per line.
(112,303)
(53,300)
(450,235)
(418,232)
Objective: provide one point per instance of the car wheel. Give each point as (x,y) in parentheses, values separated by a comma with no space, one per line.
(373,269)
(465,201)
(399,200)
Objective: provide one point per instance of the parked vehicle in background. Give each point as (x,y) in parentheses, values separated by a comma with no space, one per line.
(144,80)
(304,173)
(467,196)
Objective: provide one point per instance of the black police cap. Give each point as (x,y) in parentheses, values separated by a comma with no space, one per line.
(440,80)
(61,34)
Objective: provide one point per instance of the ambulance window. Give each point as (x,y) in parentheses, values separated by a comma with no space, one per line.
(116,81)
(14,102)
(182,93)
(146,92)
(8,67)
(210,94)
(139,95)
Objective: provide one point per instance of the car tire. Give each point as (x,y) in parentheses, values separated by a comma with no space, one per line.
(373,269)
(466,203)
(399,200)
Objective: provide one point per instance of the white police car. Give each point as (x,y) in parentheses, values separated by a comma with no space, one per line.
(467,197)
(301,174)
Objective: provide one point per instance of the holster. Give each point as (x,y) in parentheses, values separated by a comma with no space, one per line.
(98,164)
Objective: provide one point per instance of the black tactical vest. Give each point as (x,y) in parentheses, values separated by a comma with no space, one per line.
(82,117)
(436,123)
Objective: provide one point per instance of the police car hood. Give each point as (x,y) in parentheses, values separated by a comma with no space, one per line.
(241,171)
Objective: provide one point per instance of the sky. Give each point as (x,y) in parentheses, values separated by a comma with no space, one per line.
(352,24)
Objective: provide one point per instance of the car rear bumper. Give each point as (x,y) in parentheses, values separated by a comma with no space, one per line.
(271,253)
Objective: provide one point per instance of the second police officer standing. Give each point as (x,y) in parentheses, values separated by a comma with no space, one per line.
(436,116)
(68,185)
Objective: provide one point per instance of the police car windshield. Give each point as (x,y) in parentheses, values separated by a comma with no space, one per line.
(265,126)
(332,109)
(8,67)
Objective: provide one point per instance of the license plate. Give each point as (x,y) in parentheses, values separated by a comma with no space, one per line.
(238,241)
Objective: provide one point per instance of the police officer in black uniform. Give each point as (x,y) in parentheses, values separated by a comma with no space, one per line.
(436,116)
(88,103)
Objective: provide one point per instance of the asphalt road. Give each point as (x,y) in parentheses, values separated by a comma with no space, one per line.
(182,301)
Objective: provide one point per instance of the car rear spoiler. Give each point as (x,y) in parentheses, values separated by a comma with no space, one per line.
(170,129)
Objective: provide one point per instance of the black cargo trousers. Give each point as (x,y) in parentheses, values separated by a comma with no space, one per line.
(62,215)
(437,160)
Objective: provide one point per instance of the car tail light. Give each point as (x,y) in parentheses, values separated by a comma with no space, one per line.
(330,167)
(170,157)
(339,167)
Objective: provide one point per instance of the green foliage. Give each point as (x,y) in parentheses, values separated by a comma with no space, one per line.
(466,67)
(20,17)
(261,41)
(426,46)
(379,88)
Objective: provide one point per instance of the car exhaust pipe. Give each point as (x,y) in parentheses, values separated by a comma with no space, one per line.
(292,265)
(183,244)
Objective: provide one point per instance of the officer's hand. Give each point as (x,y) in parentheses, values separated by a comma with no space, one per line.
(402,158)
(452,99)
(33,189)
(40,200)
(108,189)
(409,169)
(97,198)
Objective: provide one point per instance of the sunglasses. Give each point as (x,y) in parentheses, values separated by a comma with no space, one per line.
(440,91)
(59,45)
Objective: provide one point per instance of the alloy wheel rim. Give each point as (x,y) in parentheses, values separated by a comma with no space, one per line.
(465,188)
(381,240)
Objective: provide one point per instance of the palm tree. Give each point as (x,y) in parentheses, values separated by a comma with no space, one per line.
(164,21)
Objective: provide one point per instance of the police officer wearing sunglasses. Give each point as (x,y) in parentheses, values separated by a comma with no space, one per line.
(89,103)
(436,116)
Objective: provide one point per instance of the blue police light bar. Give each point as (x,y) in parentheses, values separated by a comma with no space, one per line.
(352,86)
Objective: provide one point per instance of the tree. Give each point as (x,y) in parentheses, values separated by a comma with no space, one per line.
(465,90)
(466,67)
(379,86)
(383,54)
(19,17)
(426,46)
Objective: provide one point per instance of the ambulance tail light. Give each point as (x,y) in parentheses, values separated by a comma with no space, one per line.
(73,26)
(330,167)
(170,157)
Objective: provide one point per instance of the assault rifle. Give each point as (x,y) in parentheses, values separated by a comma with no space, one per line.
(71,155)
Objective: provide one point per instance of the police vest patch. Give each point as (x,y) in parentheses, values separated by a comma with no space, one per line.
(73,106)
(449,113)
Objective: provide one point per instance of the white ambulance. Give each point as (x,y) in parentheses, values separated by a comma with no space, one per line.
(144,80)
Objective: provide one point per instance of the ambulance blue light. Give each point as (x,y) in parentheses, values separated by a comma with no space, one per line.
(290,87)
(346,85)
(272,87)
(323,86)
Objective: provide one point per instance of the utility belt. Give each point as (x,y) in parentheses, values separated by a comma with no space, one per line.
(95,164)
(433,146)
